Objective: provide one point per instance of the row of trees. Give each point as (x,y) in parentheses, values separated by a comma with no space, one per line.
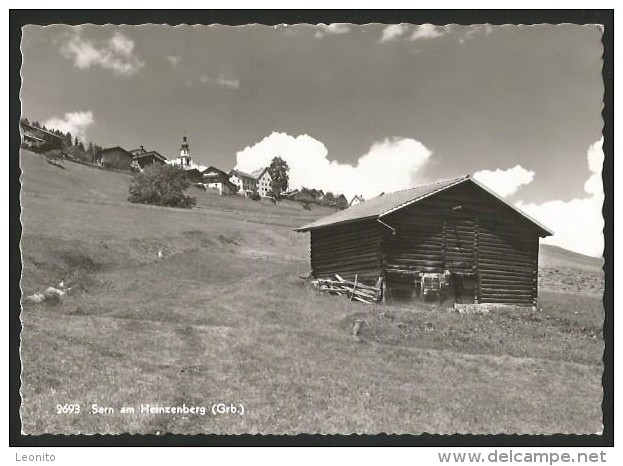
(307,197)
(279,169)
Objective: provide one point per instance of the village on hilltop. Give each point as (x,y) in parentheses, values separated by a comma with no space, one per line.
(255,185)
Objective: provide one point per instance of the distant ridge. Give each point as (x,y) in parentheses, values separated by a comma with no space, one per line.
(555,256)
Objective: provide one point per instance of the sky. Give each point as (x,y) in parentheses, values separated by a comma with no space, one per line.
(352,109)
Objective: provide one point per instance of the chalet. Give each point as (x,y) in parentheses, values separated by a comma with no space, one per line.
(217,180)
(341,202)
(263,179)
(356,200)
(456,230)
(116,157)
(39,138)
(245,183)
(194,175)
(145,158)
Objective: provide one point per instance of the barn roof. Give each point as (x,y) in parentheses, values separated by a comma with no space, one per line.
(240,174)
(257,174)
(150,153)
(385,204)
(34,128)
(119,148)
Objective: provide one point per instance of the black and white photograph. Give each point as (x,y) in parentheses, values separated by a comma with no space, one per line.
(327,228)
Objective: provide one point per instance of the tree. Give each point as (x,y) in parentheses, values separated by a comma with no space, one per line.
(68,138)
(162,185)
(328,199)
(96,152)
(76,141)
(278,170)
(91,151)
(305,198)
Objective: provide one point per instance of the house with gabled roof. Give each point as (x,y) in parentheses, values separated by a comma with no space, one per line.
(33,137)
(356,200)
(145,158)
(245,182)
(263,179)
(116,157)
(216,179)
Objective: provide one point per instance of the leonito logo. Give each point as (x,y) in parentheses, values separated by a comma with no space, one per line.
(42,457)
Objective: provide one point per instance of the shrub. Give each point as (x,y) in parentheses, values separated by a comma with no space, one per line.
(162,185)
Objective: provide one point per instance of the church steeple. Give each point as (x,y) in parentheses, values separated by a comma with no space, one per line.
(185,152)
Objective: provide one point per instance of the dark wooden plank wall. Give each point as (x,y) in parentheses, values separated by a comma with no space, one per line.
(484,236)
(348,249)
(507,262)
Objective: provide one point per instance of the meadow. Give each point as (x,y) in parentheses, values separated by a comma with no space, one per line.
(227,316)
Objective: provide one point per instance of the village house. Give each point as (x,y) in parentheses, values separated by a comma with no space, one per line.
(263,179)
(455,232)
(35,138)
(217,180)
(245,183)
(341,202)
(356,200)
(145,158)
(116,157)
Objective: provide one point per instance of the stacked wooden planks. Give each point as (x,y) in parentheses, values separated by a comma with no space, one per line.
(354,290)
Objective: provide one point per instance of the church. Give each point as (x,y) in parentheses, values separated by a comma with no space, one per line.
(184,160)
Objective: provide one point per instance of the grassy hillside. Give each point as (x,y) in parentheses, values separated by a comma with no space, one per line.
(570,272)
(555,256)
(224,317)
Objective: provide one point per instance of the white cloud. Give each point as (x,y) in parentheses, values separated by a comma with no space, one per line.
(74,122)
(334,28)
(471,31)
(116,53)
(428,31)
(578,223)
(228,83)
(221,80)
(392,32)
(389,165)
(174,60)
(505,182)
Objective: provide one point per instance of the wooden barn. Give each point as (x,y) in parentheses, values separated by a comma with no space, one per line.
(116,157)
(456,231)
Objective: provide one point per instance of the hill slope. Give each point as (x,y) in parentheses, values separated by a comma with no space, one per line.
(223,317)
(555,256)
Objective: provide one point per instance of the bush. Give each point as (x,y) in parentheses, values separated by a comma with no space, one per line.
(162,185)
